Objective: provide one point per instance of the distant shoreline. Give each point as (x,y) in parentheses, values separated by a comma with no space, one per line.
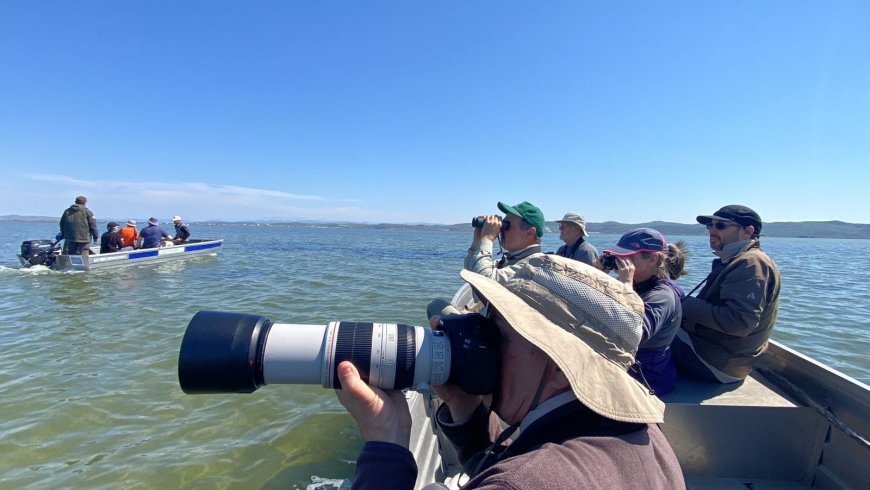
(799,229)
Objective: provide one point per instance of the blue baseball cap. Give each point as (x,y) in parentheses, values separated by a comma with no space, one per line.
(639,240)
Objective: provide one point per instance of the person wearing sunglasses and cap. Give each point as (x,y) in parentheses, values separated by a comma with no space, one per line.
(567,336)
(645,261)
(728,324)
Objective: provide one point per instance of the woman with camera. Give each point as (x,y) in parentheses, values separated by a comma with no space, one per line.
(645,260)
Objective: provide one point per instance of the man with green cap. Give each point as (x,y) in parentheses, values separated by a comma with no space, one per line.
(519,233)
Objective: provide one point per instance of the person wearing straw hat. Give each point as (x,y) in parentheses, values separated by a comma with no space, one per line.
(568,335)
(572,231)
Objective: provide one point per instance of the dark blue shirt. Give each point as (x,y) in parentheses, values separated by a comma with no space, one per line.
(152,235)
(661,319)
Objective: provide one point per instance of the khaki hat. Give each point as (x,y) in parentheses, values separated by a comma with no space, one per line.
(176,218)
(587,322)
(577,219)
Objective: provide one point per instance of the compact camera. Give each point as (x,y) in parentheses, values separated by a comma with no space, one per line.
(608,262)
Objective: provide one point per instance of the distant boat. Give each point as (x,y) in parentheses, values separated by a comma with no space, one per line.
(47,253)
(793,423)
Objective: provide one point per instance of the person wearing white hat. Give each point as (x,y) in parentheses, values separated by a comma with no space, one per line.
(129,236)
(568,335)
(572,231)
(182,231)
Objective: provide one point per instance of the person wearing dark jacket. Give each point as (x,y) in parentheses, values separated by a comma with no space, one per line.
(182,231)
(111,240)
(78,226)
(153,235)
(645,261)
(726,327)
(583,421)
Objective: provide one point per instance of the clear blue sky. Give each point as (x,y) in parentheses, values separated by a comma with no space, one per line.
(434,111)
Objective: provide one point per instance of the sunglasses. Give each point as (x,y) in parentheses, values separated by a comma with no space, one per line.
(720,225)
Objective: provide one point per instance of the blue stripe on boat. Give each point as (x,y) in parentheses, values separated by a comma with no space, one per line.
(194,248)
(142,255)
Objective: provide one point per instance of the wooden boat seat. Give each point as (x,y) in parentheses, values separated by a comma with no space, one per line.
(745,435)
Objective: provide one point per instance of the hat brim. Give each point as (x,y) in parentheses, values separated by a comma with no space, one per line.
(707,219)
(582,227)
(504,208)
(602,385)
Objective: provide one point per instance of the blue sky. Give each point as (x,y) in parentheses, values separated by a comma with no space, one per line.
(434,111)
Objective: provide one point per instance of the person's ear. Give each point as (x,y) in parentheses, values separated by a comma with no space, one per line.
(749,230)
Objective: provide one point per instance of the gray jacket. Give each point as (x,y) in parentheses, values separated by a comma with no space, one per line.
(481,261)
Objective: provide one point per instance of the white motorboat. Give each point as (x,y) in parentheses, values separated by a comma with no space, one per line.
(47,253)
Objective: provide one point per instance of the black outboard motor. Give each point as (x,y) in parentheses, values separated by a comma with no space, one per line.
(39,252)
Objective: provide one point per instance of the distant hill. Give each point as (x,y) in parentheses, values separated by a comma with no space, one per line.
(799,229)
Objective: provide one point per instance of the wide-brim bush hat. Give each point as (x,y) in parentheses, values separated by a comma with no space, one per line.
(176,218)
(153,221)
(587,322)
(577,219)
(131,222)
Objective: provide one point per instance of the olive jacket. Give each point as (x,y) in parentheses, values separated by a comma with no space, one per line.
(77,224)
(731,319)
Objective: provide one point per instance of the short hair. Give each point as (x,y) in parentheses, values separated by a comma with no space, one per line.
(81,199)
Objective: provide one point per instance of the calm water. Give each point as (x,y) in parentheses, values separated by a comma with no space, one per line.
(88,387)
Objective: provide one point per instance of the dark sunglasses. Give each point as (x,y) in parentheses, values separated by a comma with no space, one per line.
(720,225)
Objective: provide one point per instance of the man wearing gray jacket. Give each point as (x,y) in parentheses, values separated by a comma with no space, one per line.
(726,327)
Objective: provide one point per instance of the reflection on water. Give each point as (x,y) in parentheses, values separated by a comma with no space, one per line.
(90,396)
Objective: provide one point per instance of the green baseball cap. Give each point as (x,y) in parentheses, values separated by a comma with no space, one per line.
(530,213)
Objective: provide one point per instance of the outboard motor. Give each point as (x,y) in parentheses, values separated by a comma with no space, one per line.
(39,252)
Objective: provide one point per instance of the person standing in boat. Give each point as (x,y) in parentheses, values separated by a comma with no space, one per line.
(129,236)
(111,240)
(153,235)
(572,231)
(182,231)
(583,421)
(645,261)
(78,226)
(726,327)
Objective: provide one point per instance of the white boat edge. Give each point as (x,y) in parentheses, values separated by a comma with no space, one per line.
(134,257)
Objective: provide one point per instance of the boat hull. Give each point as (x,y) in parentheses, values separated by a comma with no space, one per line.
(134,257)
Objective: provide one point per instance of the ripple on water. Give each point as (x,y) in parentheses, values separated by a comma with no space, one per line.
(90,395)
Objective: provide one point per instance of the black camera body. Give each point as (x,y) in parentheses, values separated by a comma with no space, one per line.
(476,362)
(608,262)
(478,222)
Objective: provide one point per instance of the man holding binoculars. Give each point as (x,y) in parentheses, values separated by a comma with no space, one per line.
(519,233)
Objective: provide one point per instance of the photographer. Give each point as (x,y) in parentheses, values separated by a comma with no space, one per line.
(519,233)
(643,260)
(565,350)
